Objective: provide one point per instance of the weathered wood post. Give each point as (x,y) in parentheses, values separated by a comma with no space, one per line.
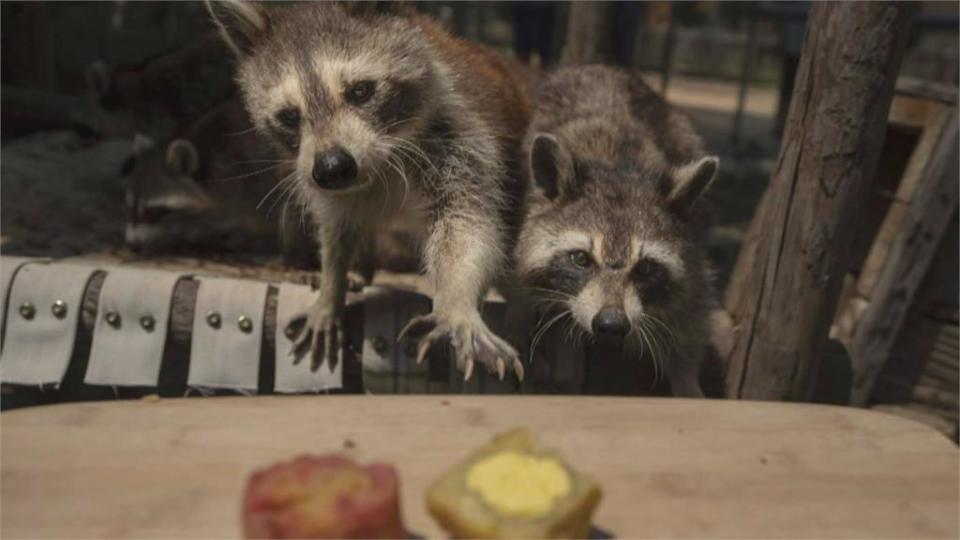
(785,289)
(589,37)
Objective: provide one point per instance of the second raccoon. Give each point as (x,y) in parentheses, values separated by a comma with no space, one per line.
(613,233)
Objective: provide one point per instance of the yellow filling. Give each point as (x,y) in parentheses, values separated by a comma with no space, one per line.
(518,485)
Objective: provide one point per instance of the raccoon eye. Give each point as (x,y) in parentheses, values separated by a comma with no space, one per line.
(647,271)
(289,118)
(581,258)
(359,92)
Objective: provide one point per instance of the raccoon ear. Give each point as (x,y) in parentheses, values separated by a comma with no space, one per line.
(551,167)
(141,143)
(182,156)
(241,22)
(691,181)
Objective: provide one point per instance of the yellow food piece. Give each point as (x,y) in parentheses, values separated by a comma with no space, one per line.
(518,484)
(514,488)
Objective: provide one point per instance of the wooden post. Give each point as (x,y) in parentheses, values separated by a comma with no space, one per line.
(787,292)
(589,36)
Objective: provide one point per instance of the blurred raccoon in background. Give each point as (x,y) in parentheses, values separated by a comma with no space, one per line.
(211,189)
(612,247)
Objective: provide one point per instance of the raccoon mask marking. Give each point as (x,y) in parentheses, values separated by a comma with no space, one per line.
(612,232)
(338,93)
(373,108)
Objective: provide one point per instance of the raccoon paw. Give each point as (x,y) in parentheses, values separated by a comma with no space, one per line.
(318,333)
(471,339)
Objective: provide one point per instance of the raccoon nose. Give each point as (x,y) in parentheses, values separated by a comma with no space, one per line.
(334,169)
(611,322)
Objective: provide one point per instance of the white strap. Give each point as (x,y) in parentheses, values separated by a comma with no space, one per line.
(131,328)
(227,333)
(8,269)
(293,300)
(42,322)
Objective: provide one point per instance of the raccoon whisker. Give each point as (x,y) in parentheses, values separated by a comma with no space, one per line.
(287,192)
(662,348)
(383,130)
(571,335)
(667,329)
(245,175)
(552,292)
(386,189)
(251,161)
(403,176)
(414,153)
(241,132)
(274,188)
(538,335)
(646,346)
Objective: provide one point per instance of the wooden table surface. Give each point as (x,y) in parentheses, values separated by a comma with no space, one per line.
(668,467)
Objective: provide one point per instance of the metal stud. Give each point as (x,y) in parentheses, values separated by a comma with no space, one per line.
(245,324)
(112,318)
(59,309)
(27,311)
(147,323)
(213,319)
(379,344)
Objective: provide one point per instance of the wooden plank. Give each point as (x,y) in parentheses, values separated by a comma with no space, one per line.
(669,468)
(932,208)
(912,112)
(944,93)
(832,142)
(894,220)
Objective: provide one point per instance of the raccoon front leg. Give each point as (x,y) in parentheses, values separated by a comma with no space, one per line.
(462,259)
(318,333)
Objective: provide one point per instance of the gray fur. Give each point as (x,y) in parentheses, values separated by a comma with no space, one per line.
(425,153)
(618,174)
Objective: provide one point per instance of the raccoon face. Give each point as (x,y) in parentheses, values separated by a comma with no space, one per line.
(342,94)
(608,244)
(161,189)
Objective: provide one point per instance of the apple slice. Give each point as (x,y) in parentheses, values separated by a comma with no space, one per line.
(323,497)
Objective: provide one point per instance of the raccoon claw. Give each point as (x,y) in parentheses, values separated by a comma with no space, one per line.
(316,334)
(472,341)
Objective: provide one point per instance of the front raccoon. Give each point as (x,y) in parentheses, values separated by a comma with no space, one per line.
(389,118)
(613,235)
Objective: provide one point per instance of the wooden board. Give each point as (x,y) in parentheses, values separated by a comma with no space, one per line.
(668,467)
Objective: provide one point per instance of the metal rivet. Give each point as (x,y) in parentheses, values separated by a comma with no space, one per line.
(59,309)
(113,319)
(410,348)
(245,324)
(213,319)
(379,344)
(27,311)
(147,323)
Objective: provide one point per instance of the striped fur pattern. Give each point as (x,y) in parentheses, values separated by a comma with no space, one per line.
(613,230)
(435,126)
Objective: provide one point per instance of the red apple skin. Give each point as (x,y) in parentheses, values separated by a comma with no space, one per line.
(273,504)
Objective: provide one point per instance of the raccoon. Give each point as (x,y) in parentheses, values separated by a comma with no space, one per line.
(390,118)
(613,233)
(203,188)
